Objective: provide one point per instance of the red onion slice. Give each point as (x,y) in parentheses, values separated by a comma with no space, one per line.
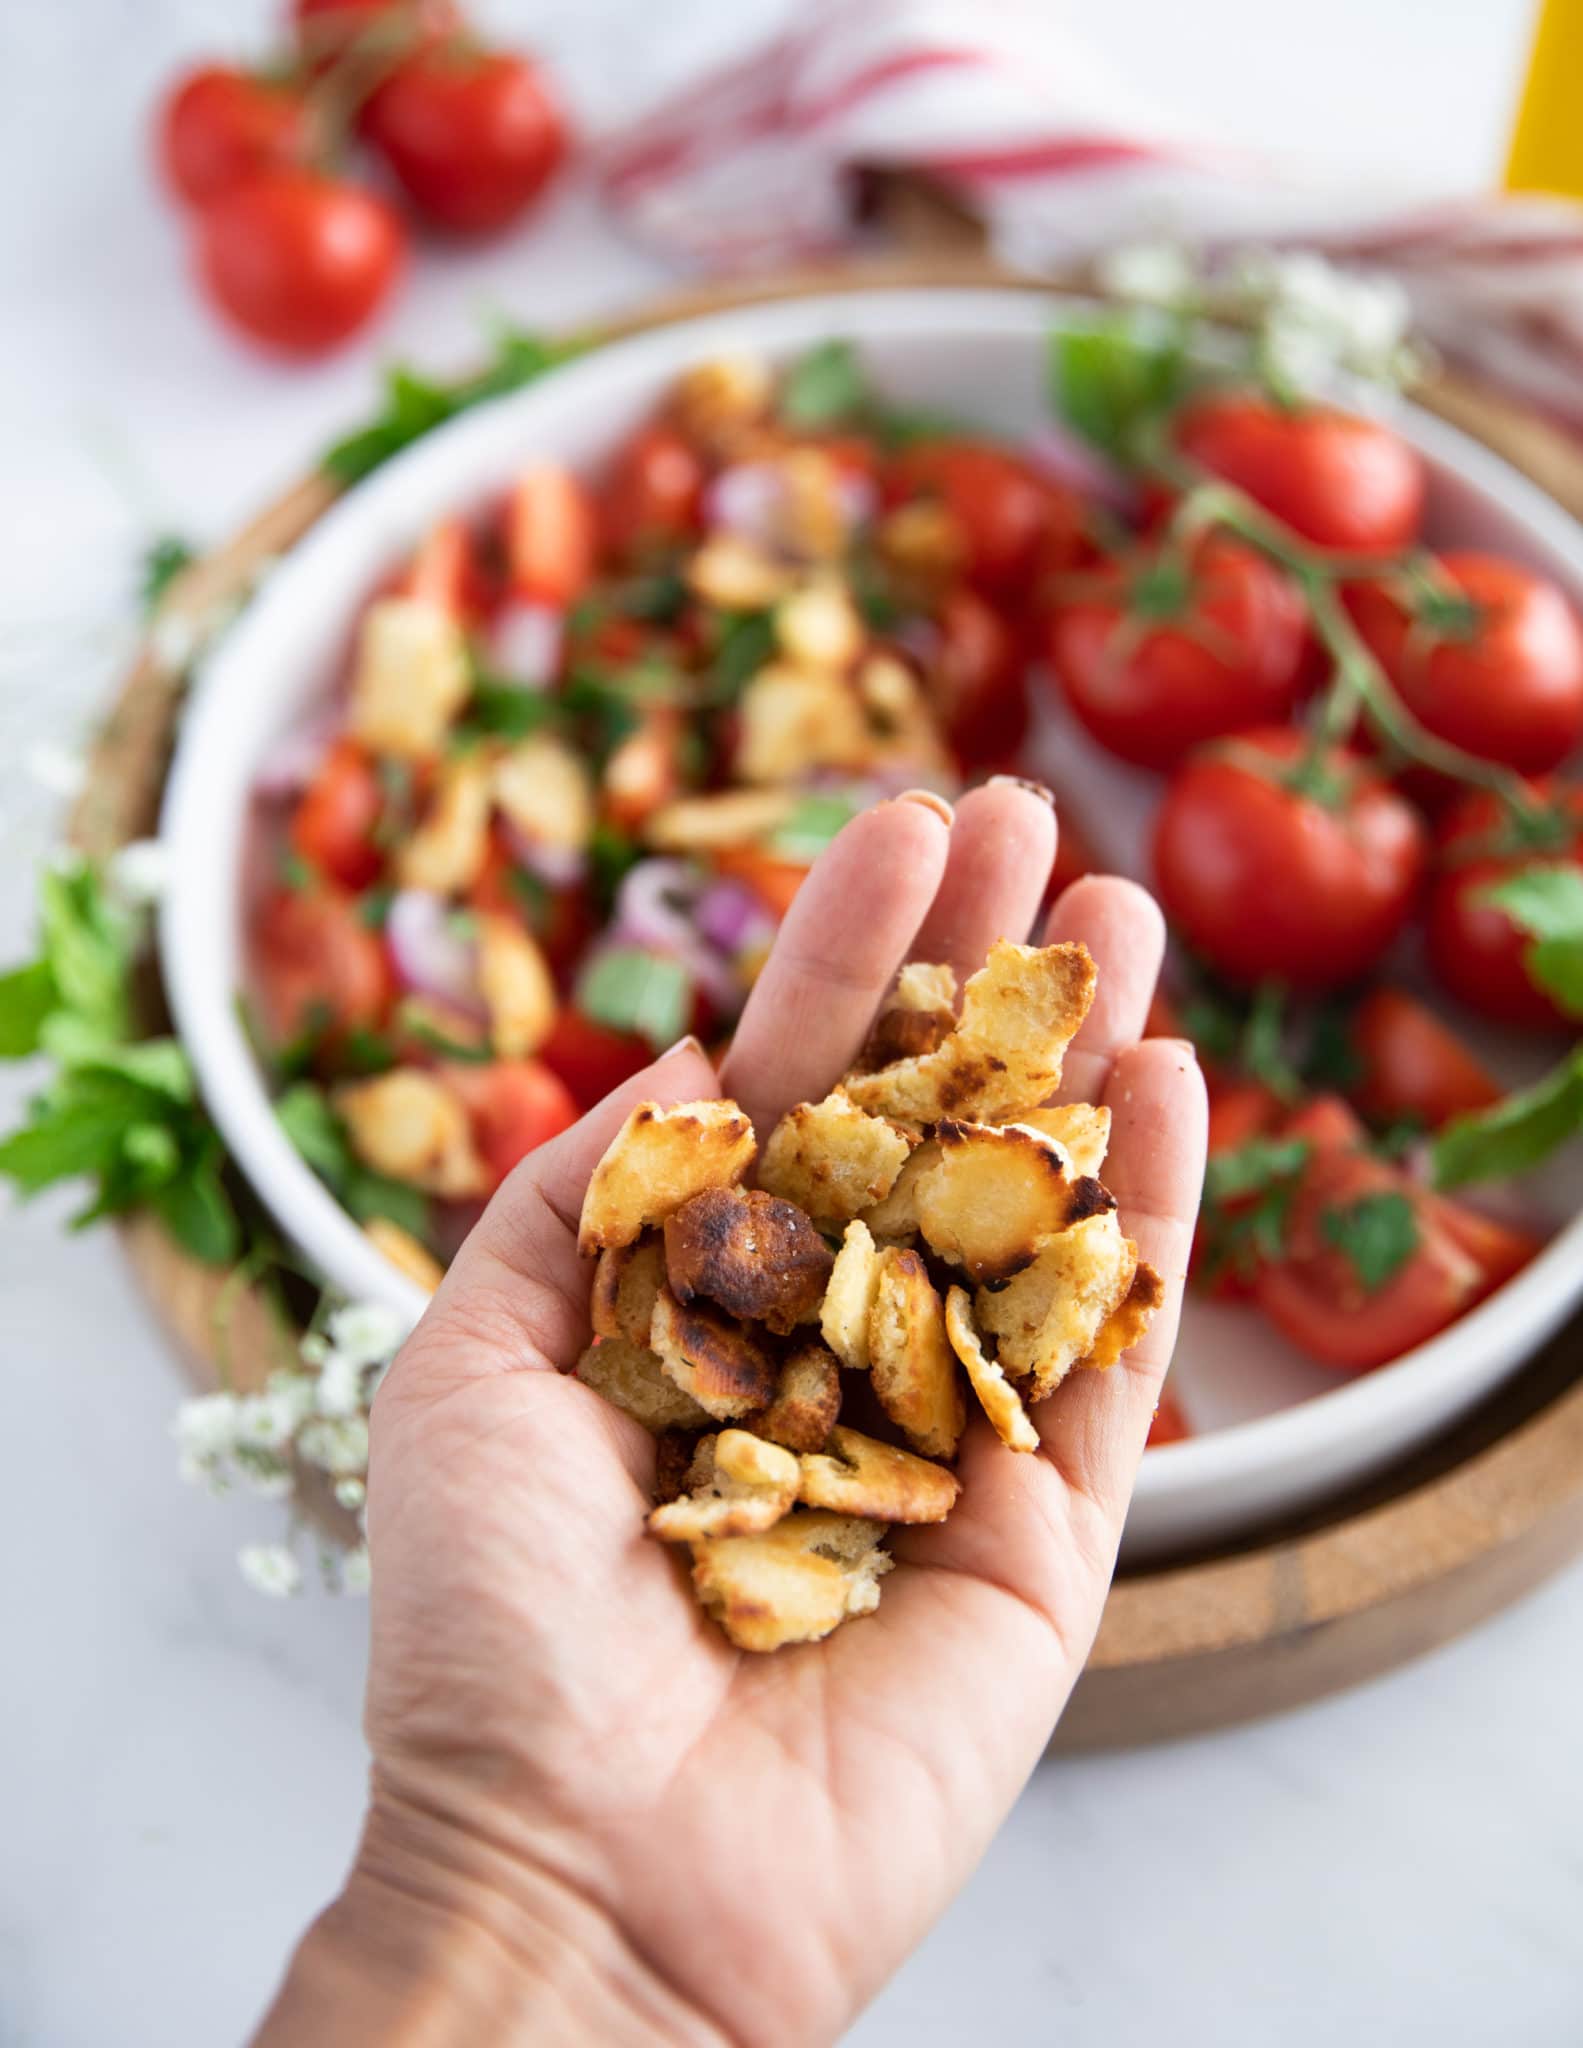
(732,918)
(525,643)
(431,957)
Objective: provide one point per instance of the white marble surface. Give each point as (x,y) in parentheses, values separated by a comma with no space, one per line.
(182,1765)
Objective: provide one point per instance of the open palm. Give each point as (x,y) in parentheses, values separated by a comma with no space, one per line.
(767,1835)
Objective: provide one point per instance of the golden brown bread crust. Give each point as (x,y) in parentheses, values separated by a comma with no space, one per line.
(911,1362)
(794,1583)
(752,1254)
(1049,1315)
(849,1298)
(627,1278)
(859,1475)
(659,1159)
(806,1402)
(1128,1321)
(832,1159)
(724,1365)
(997,1397)
(994,1194)
(740,1486)
(631,1378)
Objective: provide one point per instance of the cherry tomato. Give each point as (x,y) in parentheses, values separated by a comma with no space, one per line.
(1499,1250)
(979,684)
(1170,1424)
(550,536)
(298,261)
(1002,508)
(1474,947)
(1270,881)
(319,963)
(1338,480)
(1160,661)
(220,127)
(471,136)
(591,1058)
(1413,1065)
(1239,1112)
(1492,662)
(775,882)
(651,493)
(514,1107)
(1315,1294)
(335,823)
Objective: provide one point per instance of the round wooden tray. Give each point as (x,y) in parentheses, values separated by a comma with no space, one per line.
(1449,1538)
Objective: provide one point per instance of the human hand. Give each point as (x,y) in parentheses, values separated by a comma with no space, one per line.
(591,1817)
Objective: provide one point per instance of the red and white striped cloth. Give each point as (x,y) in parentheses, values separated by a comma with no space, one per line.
(997,100)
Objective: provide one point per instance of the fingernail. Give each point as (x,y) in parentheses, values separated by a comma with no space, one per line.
(930,800)
(1045,796)
(1184,1046)
(691,1043)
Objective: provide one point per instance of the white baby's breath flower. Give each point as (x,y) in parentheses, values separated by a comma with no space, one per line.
(212,1474)
(314,1348)
(57,769)
(206,1427)
(269,1568)
(1295,356)
(1316,317)
(267,1478)
(267,1422)
(367,1332)
(351,1493)
(1151,273)
(355,1573)
(139,872)
(337,1447)
(340,1386)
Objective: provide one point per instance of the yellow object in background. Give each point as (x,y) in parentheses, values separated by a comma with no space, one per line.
(1547,144)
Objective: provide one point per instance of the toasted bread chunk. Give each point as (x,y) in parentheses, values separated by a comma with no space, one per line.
(997,1396)
(725,1366)
(412,1127)
(1051,1313)
(751,1253)
(832,1159)
(1128,1321)
(896,1218)
(517,986)
(446,854)
(727,817)
(631,1378)
(405,1252)
(910,1358)
(659,1159)
(859,1475)
(545,790)
(411,677)
(795,720)
(806,1402)
(1019,1013)
(748,1486)
(794,1583)
(626,1280)
(674,1451)
(994,1193)
(1081,1129)
(849,1298)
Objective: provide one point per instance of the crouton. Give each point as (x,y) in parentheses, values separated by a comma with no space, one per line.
(793,721)
(674,1451)
(858,1475)
(807,1400)
(992,1194)
(715,401)
(849,1297)
(724,1365)
(446,853)
(410,1126)
(752,1254)
(735,574)
(1019,1013)
(749,1485)
(997,1397)
(627,1278)
(1128,1320)
(1081,1129)
(818,627)
(910,1358)
(404,1252)
(727,817)
(517,986)
(659,1159)
(832,1159)
(924,543)
(1049,1315)
(896,1218)
(544,788)
(630,1377)
(793,1584)
(410,678)
(900,717)
(919,1016)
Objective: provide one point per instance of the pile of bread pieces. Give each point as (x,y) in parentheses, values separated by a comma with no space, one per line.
(929,1221)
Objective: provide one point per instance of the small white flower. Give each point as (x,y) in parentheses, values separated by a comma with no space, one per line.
(267,1422)
(367,1332)
(351,1493)
(355,1573)
(315,1348)
(207,1427)
(139,872)
(1296,357)
(293,1394)
(269,1568)
(340,1386)
(1151,273)
(267,1478)
(212,1474)
(57,769)
(338,1447)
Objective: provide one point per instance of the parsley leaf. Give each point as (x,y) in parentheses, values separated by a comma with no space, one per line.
(163,561)
(824,386)
(1547,901)
(746,643)
(1115,380)
(1378,1234)
(1515,1133)
(27,996)
(1248,1194)
(305,1115)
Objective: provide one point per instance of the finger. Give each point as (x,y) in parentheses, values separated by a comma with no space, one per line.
(1094,1425)
(847,932)
(1002,844)
(1121,926)
(518,1281)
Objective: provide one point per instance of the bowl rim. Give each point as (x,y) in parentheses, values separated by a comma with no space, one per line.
(206,1014)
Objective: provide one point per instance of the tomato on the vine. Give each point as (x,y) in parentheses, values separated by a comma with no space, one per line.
(297,260)
(1412,1067)
(651,492)
(980,689)
(335,823)
(220,126)
(514,1106)
(325,28)
(1488,656)
(1164,656)
(1338,480)
(1274,866)
(471,136)
(1476,950)
(1002,508)
(319,965)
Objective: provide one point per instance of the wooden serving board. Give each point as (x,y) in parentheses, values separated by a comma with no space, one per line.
(1447,1539)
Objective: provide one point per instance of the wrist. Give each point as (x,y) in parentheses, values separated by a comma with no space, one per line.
(439,1938)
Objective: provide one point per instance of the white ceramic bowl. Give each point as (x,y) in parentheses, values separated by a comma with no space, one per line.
(981,355)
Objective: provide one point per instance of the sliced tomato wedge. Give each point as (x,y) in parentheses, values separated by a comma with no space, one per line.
(550,533)
(514,1107)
